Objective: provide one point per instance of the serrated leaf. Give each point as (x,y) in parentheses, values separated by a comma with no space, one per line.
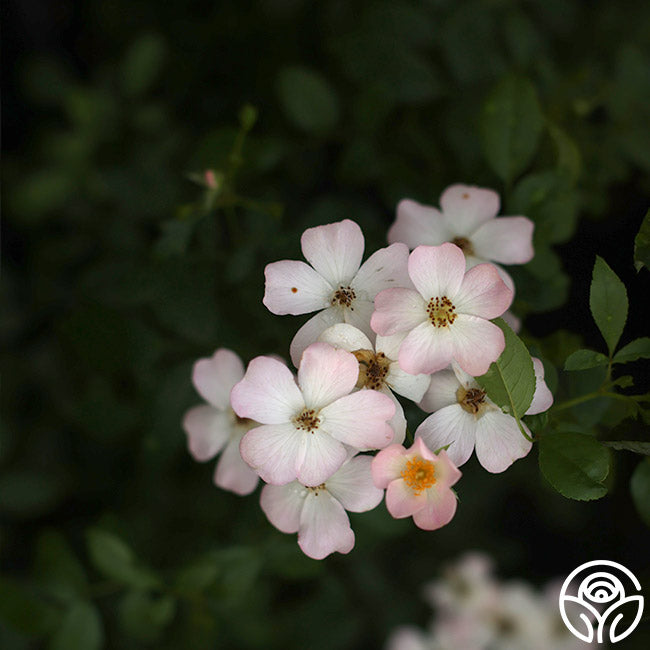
(81,629)
(608,303)
(637,446)
(512,123)
(575,464)
(640,489)
(510,380)
(637,349)
(585,359)
(642,244)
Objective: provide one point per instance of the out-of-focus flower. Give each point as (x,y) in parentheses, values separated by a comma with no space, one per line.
(306,425)
(214,426)
(317,513)
(418,484)
(447,316)
(378,369)
(336,282)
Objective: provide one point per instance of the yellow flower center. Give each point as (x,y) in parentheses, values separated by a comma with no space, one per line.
(343,297)
(419,474)
(471,400)
(373,368)
(308,420)
(441,311)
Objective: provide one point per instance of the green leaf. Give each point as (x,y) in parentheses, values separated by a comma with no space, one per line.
(637,446)
(510,380)
(608,303)
(640,489)
(81,629)
(57,569)
(642,244)
(24,611)
(144,616)
(575,464)
(637,349)
(112,557)
(584,359)
(512,123)
(568,155)
(307,99)
(143,64)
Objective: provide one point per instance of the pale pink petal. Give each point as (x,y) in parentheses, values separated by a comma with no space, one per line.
(437,271)
(390,345)
(319,457)
(232,473)
(508,240)
(426,349)
(418,224)
(398,310)
(441,392)
(483,293)
(452,426)
(207,429)
(360,419)
(384,269)
(543,398)
(439,509)
(347,337)
(214,378)
(387,465)
(513,321)
(282,505)
(476,343)
(403,383)
(505,276)
(446,472)
(334,250)
(352,486)
(402,501)
(295,288)
(408,638)
(271,450)
(359,315)
(325,374)
(466,207)
(268,393)
(311,330)
(324,526)
(499,442)
(398,421)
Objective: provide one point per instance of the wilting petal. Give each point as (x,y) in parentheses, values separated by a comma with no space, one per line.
(439,509)
(384,269)
(207,429)
(347,337)
(282,505)
(476,343)
(402,501)
(267,393)
(271,450)
(441,392)
(418,224)
(319,457)
(334,250)
(311,330)
(324,526)
(499,442)
(426,349)
(410,386)
(295,288)
(353,487)
(452,426)
(387,465)
(214,378)
(325,374)
(466,207)
(483,293)
(508,240)
(437,271)
(398,310)
(232,473)
(543,398)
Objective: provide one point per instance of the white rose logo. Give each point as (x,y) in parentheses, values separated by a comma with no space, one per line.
(597,602)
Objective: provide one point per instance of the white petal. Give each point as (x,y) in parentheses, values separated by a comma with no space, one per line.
(359,315)
(324,526)
(543,398)
(398,421)
(408,638)
(346,337)
(232,473)
(334,250)
(319,457)
(441,392)
(410,386)
(294,288)
(466,207)
(214,378)
(398,310)
(418,224)
(207,429)
(476,343)
(437,271)
(499,442)
(390,345)
(384,269)
(353,487)
(282,505)
(311,330)
(508,240)
(426,349)
(452,426)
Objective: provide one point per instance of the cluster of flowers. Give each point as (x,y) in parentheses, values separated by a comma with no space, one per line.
(416,324)
(475,611)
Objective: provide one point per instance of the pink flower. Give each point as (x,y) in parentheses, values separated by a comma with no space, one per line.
(465,418)
(318,514)
(214,427)
(305,427)
(468,220)
(418,484)
(336,284)
(446,317)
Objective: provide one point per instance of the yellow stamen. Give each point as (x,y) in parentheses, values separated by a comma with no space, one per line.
(441,311)
(419,474)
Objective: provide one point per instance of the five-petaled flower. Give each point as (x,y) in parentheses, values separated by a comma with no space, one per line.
(418,484)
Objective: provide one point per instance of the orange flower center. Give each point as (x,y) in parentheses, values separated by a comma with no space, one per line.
(419,474)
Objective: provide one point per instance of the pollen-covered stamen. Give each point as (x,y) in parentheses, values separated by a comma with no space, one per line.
(344,297)
(307,420)
(441,311)
(316,489)
(419,474)
(373,368)
(464,244)
(471,400)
